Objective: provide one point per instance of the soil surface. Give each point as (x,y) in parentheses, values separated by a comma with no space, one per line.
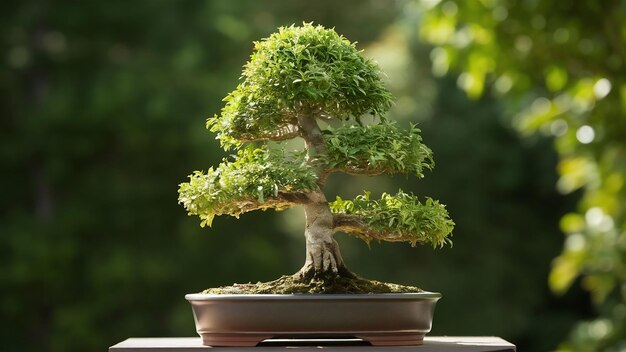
(330,284)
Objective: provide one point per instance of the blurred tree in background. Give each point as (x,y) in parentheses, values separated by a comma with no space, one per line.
(562,68)
(103,109)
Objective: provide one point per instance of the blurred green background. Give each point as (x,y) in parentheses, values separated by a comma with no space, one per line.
(103,106)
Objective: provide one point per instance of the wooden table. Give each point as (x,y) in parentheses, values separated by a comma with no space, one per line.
(431,344)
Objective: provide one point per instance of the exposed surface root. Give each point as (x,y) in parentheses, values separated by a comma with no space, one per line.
(325,283)
(309,272)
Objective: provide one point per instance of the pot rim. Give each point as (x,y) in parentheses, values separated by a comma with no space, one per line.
(314,296)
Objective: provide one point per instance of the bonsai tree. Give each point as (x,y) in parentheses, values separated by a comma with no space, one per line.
(309,82)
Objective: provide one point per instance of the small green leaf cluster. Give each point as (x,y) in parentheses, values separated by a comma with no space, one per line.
(300,69)
(398,218)
(375,149)
(256,179)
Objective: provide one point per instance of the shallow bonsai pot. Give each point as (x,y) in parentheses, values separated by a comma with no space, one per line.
(394,319)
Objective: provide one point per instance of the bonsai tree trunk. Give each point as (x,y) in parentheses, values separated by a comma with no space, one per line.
(322,251)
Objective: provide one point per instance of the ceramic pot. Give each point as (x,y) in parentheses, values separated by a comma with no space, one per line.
(392,319)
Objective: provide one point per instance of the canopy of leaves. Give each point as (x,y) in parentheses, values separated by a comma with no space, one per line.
(256,179)
(562,65)
(299,70)
(394,218)
(376,149)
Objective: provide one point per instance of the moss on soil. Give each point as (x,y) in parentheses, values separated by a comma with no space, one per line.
(329,284)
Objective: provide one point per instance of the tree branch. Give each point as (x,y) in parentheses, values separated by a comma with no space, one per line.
(357,225)
(314,144)
(295,197)
(282,201)
(355,171)
(288,131)
(312,135)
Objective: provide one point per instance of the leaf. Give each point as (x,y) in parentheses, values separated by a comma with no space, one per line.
(244,180)
(332,68)
(399,217)
(375,148)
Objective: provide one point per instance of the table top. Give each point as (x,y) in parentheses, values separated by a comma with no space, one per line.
(431,344)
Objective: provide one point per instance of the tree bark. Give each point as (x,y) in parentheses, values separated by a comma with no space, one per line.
(322,251)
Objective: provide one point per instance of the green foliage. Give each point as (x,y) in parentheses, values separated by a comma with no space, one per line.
(256,179)
(374,149)
(99,111)
(313,72)
(89,210)
(562,65)
(397,218)
(299,70)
